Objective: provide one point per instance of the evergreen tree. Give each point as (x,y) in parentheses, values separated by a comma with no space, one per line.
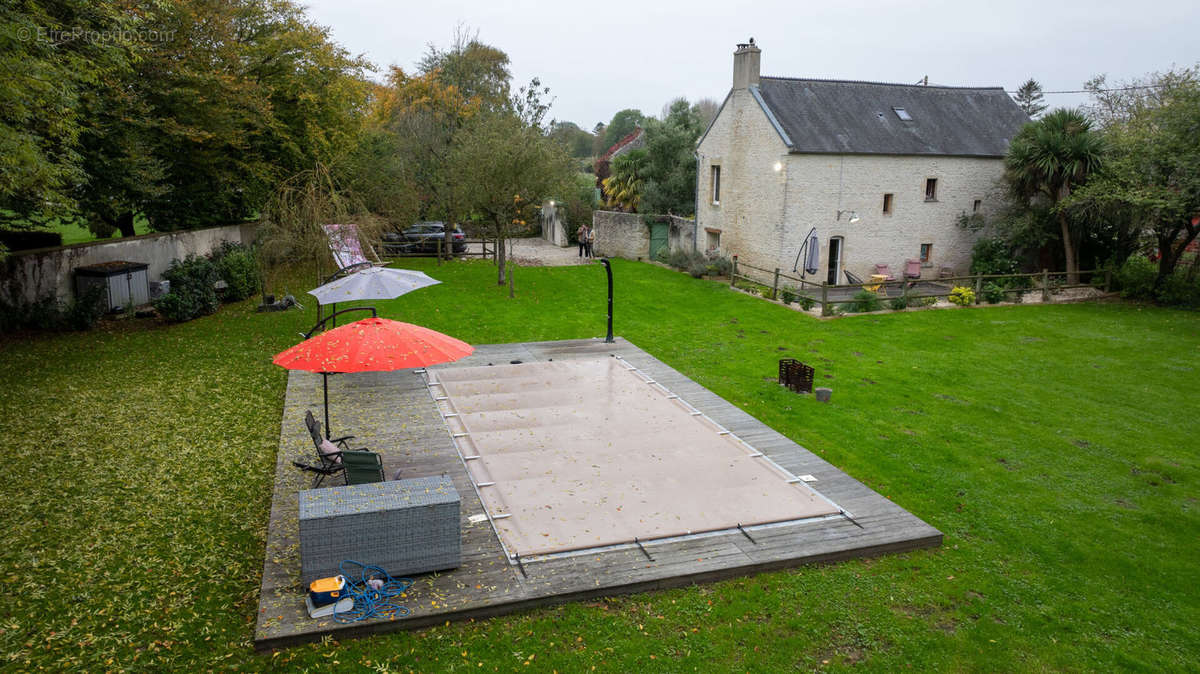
(1029,97)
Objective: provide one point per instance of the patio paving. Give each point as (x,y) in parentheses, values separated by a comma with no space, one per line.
(394,414)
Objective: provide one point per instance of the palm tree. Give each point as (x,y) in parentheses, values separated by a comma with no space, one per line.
(1050,157)
(624,187)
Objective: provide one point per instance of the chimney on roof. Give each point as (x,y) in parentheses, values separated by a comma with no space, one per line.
(745,65)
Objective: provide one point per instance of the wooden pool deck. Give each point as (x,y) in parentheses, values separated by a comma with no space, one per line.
(392,413)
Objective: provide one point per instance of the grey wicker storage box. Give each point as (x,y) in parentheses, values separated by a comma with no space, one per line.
(404,526)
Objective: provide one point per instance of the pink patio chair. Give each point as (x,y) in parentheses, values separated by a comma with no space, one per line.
(912,269)
(883,270)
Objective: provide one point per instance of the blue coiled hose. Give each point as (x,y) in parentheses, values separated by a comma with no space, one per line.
(370,602)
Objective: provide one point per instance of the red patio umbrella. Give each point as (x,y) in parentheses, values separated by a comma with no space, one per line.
(371,345)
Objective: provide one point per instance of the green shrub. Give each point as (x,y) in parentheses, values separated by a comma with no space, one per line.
(864,300)
(752,287)
(698,268)
(993,256)
(898,303)
(787,294)
(992,293)
(1179,290)
(721,266)
(192,294)
(83,313)
(48,314)
(237,266)
(807,303)
(20,315)
(1136,278)
(962,296)
(679,259)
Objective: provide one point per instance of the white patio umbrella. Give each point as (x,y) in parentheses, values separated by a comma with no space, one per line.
(373,283)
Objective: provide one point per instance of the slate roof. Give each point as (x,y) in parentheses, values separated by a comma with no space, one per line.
(842,117)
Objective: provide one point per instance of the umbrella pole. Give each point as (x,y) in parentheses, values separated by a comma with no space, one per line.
(325,387)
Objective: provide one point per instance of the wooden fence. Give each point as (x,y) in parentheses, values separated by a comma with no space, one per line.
(827,296)
(484,248)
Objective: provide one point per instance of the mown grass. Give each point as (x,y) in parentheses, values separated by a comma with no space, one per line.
(1055,446)
(73,232)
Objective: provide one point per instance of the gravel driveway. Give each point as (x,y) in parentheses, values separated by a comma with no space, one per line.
(538,252)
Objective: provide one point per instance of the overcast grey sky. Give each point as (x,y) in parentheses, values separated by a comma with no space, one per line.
(600,57)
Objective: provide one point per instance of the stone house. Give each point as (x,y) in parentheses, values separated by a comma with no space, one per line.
(883,172)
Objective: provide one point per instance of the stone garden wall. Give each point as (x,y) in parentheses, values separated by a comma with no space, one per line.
(34,274)
(627,235)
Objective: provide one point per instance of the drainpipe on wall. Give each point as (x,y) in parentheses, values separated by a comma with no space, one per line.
(783,224)
(696,209)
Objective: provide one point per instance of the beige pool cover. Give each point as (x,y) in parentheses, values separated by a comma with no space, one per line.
(585,453)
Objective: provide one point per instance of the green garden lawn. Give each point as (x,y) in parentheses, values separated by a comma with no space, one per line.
(1055,446)
(73,232)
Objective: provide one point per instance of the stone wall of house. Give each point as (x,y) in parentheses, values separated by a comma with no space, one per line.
(861,181)
(746,220)
(31,275)
(682,235)
(752,222)
(627,235)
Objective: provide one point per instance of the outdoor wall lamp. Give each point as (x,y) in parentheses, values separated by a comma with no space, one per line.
(853,216)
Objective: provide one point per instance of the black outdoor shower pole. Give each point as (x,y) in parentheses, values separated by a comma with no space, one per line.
(608,270)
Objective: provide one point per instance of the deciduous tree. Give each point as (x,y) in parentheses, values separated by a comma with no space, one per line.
(1152,180)
(623,123)
(505,168)
(670,169)
(48,68)
(478,71)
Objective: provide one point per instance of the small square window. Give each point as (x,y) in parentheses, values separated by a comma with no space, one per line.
(978,204)
(713,242)
(887,204)
(926,252)
(902,114)
(931,189)
(716,185)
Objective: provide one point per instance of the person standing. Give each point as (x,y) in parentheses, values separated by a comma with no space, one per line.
(591,241)
(581,237)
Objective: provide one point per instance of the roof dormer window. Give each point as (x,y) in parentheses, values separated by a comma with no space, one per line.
(902,114)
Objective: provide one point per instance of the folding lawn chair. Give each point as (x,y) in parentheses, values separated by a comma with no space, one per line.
(362,467)
(347,249)
(329,452)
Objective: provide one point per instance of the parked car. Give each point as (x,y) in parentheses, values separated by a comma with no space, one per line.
(423,237)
